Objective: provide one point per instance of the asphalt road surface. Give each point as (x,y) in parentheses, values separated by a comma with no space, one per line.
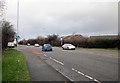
(95,65)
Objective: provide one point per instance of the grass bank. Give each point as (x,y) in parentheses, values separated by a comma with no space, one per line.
(14,66)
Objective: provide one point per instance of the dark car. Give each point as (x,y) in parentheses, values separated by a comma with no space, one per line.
(46,47)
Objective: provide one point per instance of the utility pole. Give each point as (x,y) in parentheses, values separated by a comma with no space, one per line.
(18,17)
(17,21)
(61,41)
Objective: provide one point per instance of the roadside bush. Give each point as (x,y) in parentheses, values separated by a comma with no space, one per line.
(103,43)
(8,34)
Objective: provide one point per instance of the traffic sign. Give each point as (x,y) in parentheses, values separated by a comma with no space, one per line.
(17,37)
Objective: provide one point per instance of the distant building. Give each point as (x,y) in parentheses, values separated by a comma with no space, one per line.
(72,39)
(76,36)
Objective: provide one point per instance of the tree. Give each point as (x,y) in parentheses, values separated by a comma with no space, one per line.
(8,34)
(53,39)
(40,40)
(31,41)
(23,42)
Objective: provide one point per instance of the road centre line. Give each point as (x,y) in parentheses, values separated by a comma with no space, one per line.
(86,75)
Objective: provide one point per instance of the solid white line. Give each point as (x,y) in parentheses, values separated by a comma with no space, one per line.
(97,81)
(85,75)
(64,75)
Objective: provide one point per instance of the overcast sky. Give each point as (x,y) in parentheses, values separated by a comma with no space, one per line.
(63,17)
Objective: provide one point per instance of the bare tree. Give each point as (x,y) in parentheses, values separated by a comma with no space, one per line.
(31,41)
(40,40)
(53,39)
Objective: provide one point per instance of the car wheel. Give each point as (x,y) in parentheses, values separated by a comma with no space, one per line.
(43,50)
(67,48)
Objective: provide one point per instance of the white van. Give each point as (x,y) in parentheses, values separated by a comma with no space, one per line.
(11,45)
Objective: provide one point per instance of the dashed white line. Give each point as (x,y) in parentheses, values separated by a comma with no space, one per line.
(50,57)
(55,60)
(58,61)
(85,75)
(88,77)
(81,73)
(45,55)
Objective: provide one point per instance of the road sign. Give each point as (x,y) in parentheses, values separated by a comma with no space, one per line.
(17,37)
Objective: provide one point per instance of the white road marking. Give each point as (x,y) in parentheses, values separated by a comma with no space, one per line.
(58,70)
(45,55)
(55,60)
(50,57)
(64,75)
(81,73)
(97,81)
(88,77)
(58,61)
(73,70)
(85,75)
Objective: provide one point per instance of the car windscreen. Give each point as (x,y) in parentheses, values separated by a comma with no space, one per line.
(47,45)
(68,45)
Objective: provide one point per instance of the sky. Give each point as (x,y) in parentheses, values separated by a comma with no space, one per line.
(63,17)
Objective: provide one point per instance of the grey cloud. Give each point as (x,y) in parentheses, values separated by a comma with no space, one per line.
(43,18)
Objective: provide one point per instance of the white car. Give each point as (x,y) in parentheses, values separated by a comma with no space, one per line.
(36,45)
(28,44)
(68,47)
(11,44)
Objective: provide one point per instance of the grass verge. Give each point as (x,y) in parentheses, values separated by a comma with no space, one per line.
(14,66)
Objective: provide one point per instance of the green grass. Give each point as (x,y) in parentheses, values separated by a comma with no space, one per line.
(0,66)
(14,66)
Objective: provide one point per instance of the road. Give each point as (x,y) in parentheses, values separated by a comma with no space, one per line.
(76,65)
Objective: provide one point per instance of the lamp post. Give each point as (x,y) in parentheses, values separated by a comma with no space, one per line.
(17,21)
(61,41)
(17,16)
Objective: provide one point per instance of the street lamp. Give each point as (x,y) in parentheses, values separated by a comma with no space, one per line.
(17,21)
(61,41)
